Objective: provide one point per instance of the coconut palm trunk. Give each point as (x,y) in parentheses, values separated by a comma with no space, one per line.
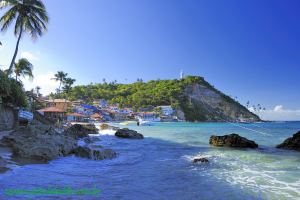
(15,54)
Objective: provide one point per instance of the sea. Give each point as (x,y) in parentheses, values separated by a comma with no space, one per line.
(160,166)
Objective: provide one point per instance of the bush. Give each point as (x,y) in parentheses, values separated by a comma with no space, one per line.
(11,91)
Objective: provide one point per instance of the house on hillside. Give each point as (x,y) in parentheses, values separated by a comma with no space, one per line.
(75,117)
(53,113)
(78,102)
(97,117)
(62,104)
(166,110)
(103,103)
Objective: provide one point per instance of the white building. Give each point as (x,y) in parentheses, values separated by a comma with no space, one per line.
(166,110)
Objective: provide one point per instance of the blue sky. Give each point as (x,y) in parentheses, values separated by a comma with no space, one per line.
(249,49)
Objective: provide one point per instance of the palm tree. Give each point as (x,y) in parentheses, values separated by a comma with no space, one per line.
(68,82)
(23,68)
(61,77)
(29,15)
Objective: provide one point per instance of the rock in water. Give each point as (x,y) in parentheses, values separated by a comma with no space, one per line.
(202,160)
(232,140)
(292,143)
(79,131)
(94,154)
(41,142)
(127,133)
(3,167)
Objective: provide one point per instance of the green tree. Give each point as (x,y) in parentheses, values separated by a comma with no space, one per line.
(61,77)
(68,82)
(23,68)
(30,16)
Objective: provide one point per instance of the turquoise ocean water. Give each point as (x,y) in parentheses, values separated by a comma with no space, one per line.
(160,167)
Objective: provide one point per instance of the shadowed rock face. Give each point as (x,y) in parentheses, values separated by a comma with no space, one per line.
(94,154)
(232,140)
(127,133)
(3,167)
(79,131)
(292,143)
(43,143)
(39,142)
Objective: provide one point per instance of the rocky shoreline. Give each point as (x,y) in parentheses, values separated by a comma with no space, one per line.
(40,143)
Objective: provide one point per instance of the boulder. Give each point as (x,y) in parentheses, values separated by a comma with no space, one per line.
(127,133)
(201,160)
(94,154)
(3,167)
(108,127)
(40,142)
(291,143)
(80,131)
(232,140)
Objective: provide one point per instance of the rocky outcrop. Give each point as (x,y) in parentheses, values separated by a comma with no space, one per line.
(41,142)
(205,103)
(7,118)
(292,143)
(200,160)
(80,131)
(232,140)
(127,133)
(3,167)
(94,154)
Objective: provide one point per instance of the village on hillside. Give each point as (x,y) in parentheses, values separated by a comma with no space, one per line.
(62,110)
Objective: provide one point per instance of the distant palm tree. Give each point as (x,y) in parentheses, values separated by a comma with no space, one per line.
(23,68)
(68,82)
(29,15)
(61,77)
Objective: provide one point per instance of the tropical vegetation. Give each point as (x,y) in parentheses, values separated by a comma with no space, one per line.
(136,95)
(11,92)
(23,68)
(28,16)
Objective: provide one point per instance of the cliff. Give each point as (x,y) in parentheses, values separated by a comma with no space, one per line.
(205,103)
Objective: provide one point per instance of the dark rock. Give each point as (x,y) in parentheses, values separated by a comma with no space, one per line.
(232,140)
(79,131)
(202,160)
(89,140)
(7,118)
(41,142)
(127,133)
(87,152)
(292,143)
(3,167)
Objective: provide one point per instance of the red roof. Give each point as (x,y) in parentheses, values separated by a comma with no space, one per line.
(75,115)
(52,109)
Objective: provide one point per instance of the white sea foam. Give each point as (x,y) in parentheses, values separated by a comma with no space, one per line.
(266,179)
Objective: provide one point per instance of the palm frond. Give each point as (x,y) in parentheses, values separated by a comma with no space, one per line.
(8,18)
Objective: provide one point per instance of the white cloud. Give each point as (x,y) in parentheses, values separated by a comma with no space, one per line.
(279,113)
(44,81)
(278,108)
(28,55)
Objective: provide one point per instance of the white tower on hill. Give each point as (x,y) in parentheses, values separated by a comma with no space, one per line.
(181,74)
